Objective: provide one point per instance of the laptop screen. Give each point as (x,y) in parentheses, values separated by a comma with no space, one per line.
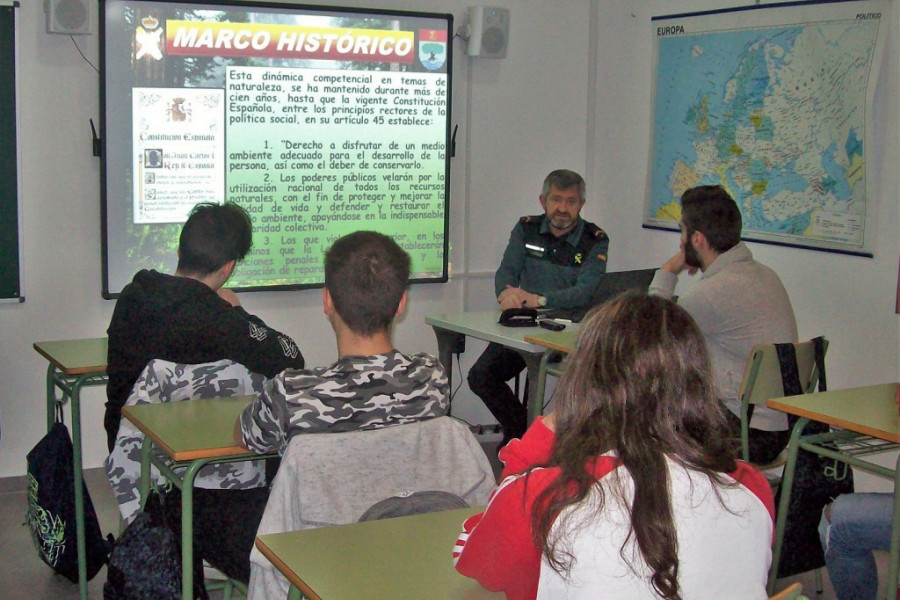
(610,285)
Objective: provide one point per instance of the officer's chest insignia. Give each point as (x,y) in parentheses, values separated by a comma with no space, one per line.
(535,250)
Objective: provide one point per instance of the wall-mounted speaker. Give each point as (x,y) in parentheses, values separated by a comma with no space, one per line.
(72,17)
(488,31)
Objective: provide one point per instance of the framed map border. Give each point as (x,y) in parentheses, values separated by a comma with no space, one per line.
(735,142)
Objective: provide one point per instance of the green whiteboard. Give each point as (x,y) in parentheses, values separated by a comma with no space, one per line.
(10,264)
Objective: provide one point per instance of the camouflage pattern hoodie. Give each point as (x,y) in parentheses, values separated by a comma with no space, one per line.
(354,393)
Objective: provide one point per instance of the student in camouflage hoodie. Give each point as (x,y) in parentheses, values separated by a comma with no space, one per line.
(372,384)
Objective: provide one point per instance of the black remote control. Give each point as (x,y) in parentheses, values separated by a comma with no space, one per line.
(552,325)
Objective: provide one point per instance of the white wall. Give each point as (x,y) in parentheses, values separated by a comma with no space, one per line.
(518,117)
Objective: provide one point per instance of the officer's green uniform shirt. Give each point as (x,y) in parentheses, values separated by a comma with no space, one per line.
(565,270)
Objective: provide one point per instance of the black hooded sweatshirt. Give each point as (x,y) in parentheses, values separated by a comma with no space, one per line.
(183,320)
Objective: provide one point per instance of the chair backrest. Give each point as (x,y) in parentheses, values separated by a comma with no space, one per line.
(762,378)
(333,478)
(792,592)
(165,381)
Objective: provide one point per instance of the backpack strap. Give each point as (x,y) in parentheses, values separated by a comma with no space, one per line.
(790,376)
(819,344)
(790,379)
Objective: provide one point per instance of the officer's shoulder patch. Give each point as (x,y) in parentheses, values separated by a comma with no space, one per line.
(526,219)
(595,231)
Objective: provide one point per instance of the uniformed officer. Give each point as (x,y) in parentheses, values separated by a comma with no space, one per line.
(554,260)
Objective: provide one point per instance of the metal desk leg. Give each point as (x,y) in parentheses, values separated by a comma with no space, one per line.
(533,366)
(536,405)
(187,528)
(781,510)
(144,489)
(51,396)
(75,399)
(71,389)
(895,536)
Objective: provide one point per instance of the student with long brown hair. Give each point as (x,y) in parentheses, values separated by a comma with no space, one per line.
(630,489)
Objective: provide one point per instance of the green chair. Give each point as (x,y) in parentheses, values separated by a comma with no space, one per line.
(762,381)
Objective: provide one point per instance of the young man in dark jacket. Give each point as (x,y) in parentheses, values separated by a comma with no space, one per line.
(189,317)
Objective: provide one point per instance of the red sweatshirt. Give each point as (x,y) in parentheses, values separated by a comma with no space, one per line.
(496,547)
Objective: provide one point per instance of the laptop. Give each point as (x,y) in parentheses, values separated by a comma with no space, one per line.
(610,285)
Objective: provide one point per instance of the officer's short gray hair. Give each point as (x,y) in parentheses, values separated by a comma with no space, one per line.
(563,179)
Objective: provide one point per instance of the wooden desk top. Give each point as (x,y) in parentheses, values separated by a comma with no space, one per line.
(563,341)
(401,558)
(76,357)
(870,410)
(191,429)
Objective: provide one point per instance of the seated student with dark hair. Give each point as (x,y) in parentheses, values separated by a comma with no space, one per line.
(371,390)
(737,302)
(372,384)
(630,489)
(189,318)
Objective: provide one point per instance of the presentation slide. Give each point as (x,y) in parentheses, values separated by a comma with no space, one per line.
(318,123)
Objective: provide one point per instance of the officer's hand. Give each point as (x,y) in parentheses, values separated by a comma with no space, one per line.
(512,297)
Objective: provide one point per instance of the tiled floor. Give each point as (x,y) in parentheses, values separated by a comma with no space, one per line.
(24,577)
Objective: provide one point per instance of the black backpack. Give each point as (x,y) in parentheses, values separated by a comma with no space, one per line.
(145,563)
(51,508)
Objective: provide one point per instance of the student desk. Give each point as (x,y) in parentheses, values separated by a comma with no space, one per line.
(451,330)
(74,364)
(558,344)
(400,558)
(190,434)
(868,423)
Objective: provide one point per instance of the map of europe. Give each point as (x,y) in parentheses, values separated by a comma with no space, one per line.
(776,113)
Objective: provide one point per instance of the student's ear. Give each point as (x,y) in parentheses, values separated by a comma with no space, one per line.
(327,302)
(401,306)
(223,274)
(699,240)
(228,269)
